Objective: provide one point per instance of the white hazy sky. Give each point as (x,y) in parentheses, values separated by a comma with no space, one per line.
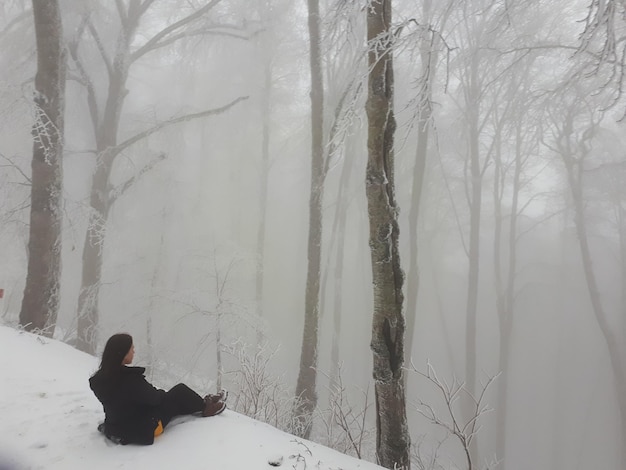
(48,419)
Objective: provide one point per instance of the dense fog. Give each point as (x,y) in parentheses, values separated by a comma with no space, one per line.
(511,112)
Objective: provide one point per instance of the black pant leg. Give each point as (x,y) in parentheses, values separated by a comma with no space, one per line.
(179,400)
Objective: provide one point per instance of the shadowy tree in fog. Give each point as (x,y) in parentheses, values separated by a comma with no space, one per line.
(602,55)
(515,143)
(344,72)
(428,43)
(481,23)
(307,375)
(340,90)
(105,119)
(388,327)
(265,43)
(40,304)
(339,230)
(574,121)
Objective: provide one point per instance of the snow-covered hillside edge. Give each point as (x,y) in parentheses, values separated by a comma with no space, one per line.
(48,419)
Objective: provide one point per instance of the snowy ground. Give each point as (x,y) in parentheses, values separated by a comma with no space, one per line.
(48,419)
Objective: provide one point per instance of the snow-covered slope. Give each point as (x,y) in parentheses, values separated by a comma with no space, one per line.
(48,419)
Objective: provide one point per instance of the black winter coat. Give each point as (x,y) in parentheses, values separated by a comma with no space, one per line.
(130,404)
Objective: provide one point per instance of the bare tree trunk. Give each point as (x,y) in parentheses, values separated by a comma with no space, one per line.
(474,262)
(574,167)
(592,286)
(343,203)
(307,377)
(218,349)
(40,303)
(88,313)
(429,56)
(106,126)
(264,174)
(423,128)
(621,226)
(100,203)
(505,286)
(388,327)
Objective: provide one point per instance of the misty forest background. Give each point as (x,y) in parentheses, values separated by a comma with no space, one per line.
(189,216)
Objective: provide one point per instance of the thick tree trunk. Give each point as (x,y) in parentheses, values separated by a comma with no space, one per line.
(388,327)
(93,247)
(40,303)
(307,377)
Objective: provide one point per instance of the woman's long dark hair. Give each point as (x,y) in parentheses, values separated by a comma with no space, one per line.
(116,348)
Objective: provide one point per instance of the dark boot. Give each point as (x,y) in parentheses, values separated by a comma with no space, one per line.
(212,408)
(221,396)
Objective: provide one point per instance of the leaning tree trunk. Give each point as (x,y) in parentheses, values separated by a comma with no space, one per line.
(392,436)
(574,173)
(307,377)
(40,304)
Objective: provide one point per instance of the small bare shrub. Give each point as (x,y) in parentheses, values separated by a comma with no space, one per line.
(257,392)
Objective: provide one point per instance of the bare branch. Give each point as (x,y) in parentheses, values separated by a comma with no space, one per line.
(25,15)
(154,42)
(120,190)
(207,30)
(100,45)
(15,166)
(122,12)
(144,6)
(463,432)
(84,78)
(187,117)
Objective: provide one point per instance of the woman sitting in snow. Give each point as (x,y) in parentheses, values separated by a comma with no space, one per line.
(135,411)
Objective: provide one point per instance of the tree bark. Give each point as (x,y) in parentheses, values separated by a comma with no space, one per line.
(307,377)
(388,326)
(40,303)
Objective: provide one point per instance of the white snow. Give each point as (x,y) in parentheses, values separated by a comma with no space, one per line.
(48,419)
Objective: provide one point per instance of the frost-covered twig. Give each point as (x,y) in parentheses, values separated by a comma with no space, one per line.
(464,429)
(351,421)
